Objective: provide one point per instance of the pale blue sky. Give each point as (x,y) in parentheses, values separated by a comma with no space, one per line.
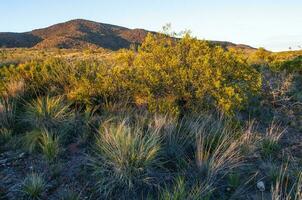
(273,24)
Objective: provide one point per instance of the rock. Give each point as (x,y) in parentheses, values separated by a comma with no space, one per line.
(10,158)
(21,155)
(261,186)
(3,161)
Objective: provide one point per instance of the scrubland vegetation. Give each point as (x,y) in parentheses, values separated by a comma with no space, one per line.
(170,119)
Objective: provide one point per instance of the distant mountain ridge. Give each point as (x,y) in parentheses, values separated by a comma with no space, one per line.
(80,33)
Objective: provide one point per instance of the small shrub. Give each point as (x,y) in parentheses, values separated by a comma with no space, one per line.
(33,186)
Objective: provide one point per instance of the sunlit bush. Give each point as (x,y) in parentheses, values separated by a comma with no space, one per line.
(164,75)
(191,74)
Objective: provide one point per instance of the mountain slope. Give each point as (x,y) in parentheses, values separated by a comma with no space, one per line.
(11,40)
(81,33)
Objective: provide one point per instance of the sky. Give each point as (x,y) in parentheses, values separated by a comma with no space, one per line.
(273,24)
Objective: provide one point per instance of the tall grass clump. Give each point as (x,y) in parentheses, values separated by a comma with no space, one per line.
(48,112)
(33,186)
(126,159)
(203,149)
(50,146)
(43,141)
(9,94)
(181,191)
(283,189)
(31,140)
(270,143)
(178,139)
(71,195)
(84,124)
(7,112)
(249,138)
(218,151)
(5,135)
(5,138)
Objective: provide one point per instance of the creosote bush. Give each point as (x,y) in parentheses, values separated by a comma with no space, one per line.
(176,74)
(163,75)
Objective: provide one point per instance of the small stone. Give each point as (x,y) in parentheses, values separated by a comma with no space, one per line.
(2,162)
(21,155)
(261,186)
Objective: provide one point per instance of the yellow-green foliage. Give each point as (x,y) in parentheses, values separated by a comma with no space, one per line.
(46,112)
(164,75)
(188,72)
(288,60)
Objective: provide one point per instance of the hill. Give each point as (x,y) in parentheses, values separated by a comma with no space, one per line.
(12,40)
(81,33)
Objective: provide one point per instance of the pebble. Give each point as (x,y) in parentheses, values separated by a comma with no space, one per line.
(261,186)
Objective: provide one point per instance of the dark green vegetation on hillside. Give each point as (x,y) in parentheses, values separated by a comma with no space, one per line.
(173,119)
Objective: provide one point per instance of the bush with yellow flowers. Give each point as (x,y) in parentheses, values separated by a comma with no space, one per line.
(165,74)
(190,74)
